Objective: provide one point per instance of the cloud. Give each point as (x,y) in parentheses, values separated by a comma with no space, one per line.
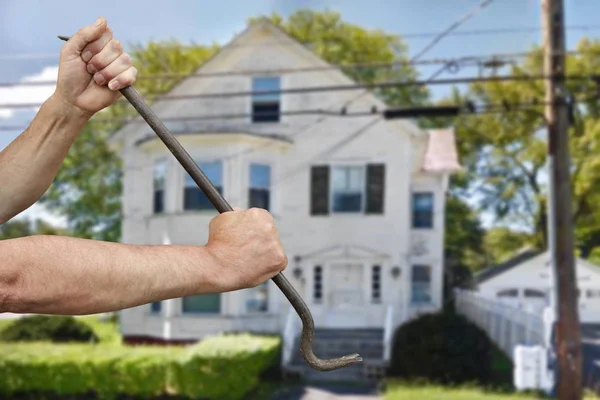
(28,94)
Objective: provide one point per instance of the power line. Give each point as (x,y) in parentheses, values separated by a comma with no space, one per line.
(331,88)
(474,60)
(452,27)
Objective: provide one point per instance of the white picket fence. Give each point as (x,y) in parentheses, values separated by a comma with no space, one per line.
(506,325)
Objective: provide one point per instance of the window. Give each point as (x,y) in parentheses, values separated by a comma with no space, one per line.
(258,298)
(422,215)
(357,189)
(260,183)
(160,172)
(592,293)
(508,293)
(318,283)
(347,187)
(194,197)
(376,284)
(155,307)
(421,284)
(265,107)
(534,293)
(202,303)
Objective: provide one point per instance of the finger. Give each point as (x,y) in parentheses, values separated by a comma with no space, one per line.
(111,52)
(124,79)
(84,36)
(96,46)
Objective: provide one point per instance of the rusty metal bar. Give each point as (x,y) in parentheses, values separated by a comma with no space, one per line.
(186,161)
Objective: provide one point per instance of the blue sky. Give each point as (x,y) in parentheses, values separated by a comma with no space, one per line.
(29,48)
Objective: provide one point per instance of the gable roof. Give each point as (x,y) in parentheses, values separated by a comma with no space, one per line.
(509,264)
(160,105)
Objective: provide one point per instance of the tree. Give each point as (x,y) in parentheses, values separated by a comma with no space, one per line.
(505,152)
(22,227)
(88,187)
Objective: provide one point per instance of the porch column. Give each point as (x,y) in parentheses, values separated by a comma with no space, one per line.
(169,312)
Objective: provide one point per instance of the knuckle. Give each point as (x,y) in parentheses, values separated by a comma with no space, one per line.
(117,45)
(126,59)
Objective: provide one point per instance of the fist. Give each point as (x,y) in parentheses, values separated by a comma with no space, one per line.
(246,245)
(92,68)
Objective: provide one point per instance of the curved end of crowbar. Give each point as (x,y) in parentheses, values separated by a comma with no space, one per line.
(309,356)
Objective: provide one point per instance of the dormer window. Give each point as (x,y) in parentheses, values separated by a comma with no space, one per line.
(265,107)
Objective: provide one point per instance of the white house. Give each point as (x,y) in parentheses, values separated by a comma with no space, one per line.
(358,200)
(526,280)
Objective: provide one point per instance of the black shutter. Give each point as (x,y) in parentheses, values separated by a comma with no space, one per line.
(319,190)
(375,188)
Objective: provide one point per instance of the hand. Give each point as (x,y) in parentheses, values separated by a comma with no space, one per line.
(92,68)
(246,244)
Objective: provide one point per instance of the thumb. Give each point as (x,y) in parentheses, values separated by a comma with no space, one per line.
(85,35)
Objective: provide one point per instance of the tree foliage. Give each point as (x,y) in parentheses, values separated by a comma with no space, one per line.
(505,152)
(22,227)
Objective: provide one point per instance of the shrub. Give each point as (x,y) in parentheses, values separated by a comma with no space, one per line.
(442,348)
(48,328)
(217,368)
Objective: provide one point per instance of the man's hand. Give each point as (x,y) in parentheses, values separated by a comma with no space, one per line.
(92,69)
(247,246)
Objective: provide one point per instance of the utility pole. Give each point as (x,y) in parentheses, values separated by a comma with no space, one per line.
(568,333)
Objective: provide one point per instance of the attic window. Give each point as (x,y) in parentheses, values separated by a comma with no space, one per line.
(265,107)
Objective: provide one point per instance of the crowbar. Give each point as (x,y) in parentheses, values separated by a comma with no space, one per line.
(186,161)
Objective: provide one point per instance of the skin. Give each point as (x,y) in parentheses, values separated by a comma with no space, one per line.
(71,276)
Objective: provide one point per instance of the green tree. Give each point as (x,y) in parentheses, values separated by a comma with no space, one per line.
(22,227)
(505,152)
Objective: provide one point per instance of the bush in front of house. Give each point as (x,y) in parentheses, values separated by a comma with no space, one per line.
(216,368)
(442,348)
(48,328)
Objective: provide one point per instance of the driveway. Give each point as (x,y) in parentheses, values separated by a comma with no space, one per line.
(327,392)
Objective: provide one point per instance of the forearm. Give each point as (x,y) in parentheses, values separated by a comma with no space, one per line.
(29,164)
(63,275)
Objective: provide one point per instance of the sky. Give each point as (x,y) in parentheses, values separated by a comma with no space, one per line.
(29,48)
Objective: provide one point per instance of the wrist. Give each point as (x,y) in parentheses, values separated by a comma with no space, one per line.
(63,108)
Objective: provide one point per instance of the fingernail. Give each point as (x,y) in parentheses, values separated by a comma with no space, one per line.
(99,78)
(87,56)
(114,85)
(91,69)
(99,21)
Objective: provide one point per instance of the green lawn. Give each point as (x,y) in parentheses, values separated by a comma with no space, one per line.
(401,391)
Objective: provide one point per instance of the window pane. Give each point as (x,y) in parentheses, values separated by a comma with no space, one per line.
(422,210)
(266,84)
(155,307)
(213,170)
(259,198)
(258,298)
(160,172)
(265,112)
(159,201)
(203,303)
(260,176)
(347,202)
(338,178)
(195,199)
(508,293)
(355,179)
(421,284)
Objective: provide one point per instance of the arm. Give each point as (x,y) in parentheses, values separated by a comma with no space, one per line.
(91,64)
(29,163)
(62,275)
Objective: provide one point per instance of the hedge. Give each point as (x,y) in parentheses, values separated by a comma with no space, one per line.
(222,367)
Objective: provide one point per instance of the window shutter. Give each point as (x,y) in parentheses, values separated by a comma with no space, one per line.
(319,190)
(375,188)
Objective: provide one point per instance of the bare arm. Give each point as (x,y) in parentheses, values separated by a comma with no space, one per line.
(29,164)
(62,275)
(91,64)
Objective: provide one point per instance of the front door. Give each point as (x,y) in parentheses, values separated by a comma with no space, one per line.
(345,295)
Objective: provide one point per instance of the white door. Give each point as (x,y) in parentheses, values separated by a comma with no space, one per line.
(345,295)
